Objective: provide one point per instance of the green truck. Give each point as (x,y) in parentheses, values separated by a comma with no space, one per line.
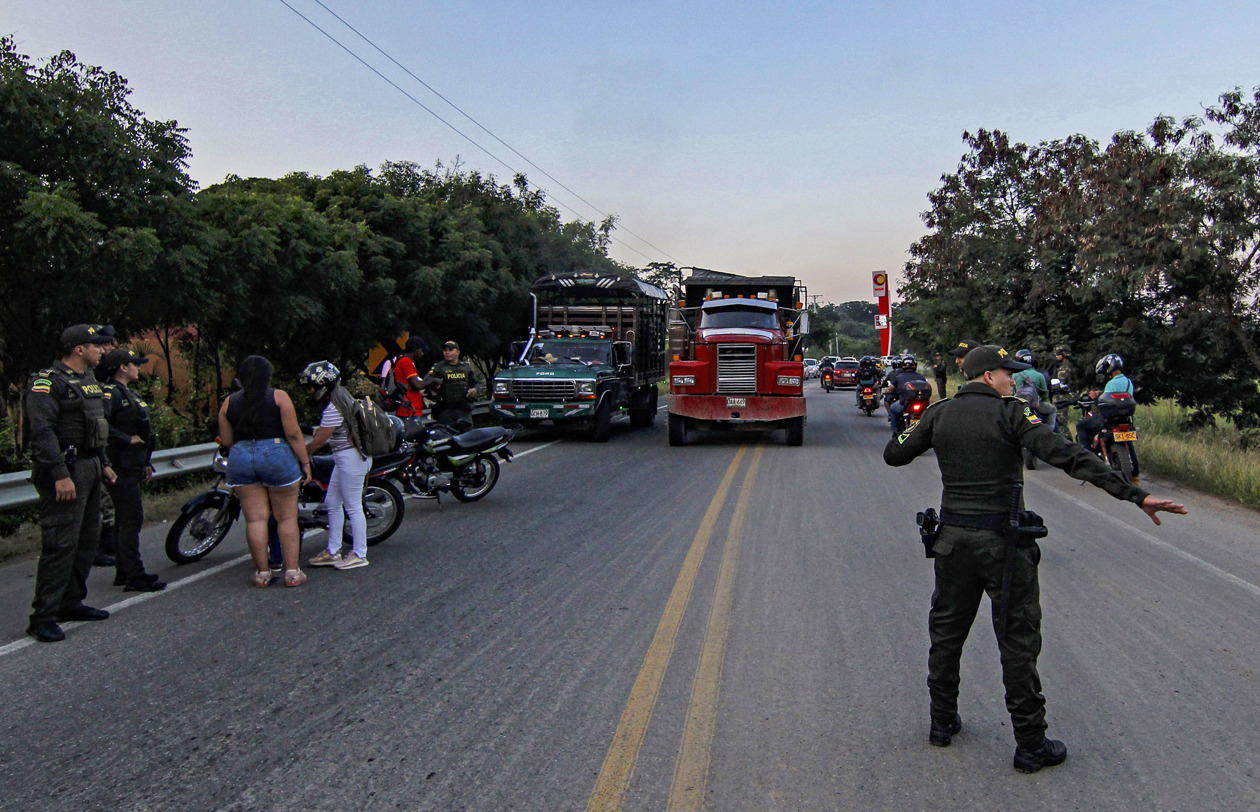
(596,348)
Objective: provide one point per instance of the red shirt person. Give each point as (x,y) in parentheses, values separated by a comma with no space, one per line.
(406,374)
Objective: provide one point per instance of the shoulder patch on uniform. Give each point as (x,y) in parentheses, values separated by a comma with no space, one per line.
(1030,416)
(905,435)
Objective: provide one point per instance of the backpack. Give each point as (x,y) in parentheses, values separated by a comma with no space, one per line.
(393,393)
(370,427)
(1028,391)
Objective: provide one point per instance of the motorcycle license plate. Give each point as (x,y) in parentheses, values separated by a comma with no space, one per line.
(540,414)
(1125,436)
(732,403)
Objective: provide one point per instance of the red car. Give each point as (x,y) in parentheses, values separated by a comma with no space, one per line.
(846,373)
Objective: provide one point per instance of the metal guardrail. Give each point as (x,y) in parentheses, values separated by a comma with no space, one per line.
(16,489)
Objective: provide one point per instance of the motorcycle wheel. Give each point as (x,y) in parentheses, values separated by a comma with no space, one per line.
(198,532)
(1119,460)
(476,480)
(383,507)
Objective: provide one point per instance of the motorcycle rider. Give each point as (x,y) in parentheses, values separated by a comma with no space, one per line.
(827,366)
(1035,388)
(1111,369)
(867,375)
(900,393)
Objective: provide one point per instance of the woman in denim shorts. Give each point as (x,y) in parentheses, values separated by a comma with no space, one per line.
(266,466)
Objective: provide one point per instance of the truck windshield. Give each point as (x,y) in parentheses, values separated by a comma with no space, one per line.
(736,316)
(561,351)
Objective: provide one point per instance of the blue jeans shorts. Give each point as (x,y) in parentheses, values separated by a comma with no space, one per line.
(267,462)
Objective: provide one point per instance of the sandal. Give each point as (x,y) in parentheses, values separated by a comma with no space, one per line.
(294,577)
(262,579)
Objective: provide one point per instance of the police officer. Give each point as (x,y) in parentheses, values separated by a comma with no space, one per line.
(108,544)
(978,437)
(129,450)
(67,431)
(939,371)
(455,386)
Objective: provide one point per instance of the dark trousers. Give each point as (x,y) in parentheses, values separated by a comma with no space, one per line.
(940,387)
(128,519)
(70,532)
(969,564)
(448,413)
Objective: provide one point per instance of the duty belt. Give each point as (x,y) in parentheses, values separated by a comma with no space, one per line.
(996,522)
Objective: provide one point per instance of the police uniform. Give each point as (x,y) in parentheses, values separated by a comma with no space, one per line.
(453,382)
(978,437)
(67,431)
(128,416)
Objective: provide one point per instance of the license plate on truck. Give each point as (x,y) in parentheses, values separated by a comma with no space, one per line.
(539,414)
(736,403)
(1126,436)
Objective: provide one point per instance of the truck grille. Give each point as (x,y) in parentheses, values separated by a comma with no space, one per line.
(737,368)
(544,389)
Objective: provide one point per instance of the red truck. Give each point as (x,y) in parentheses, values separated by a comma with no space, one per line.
(737,360)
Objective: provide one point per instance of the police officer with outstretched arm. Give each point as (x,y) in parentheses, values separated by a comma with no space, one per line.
(67,432)
(985,540)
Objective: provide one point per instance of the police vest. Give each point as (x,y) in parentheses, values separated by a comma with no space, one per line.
(81,411)
(456,381)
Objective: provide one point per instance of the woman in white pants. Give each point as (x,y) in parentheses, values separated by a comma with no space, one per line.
(344,499)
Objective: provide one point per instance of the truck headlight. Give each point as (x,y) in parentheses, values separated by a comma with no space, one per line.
(586,387)
(789,380)
(684,380)
(501,388)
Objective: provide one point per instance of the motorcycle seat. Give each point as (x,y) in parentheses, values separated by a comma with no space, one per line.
(479,439)
(390,461)
(321,467)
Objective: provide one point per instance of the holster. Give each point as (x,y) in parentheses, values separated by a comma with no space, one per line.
(929,530)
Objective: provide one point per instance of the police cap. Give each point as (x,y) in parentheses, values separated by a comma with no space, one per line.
(116,358)
(988,357)
(965,346)
(84,334)
(450,345)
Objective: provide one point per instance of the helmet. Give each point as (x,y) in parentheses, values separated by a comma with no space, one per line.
(909,364)
(866,361)
(1108,364)
(322,375)
(1025,356)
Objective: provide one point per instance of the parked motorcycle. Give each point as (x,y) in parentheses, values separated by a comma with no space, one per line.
(447,459)
(206,519)
(869,401)
(828,380)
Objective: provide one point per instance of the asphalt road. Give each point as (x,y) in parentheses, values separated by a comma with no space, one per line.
(736,624)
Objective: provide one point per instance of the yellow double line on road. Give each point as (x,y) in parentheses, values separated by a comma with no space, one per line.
(691,768)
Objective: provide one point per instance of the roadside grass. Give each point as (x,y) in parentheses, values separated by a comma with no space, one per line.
(1214,459)
(160,504)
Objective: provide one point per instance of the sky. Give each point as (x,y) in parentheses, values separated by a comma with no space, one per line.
(751,137)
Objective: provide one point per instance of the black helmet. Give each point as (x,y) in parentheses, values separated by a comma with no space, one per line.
(1025,356)
(909,364)
(1108,364)
(321,375)
(866,361)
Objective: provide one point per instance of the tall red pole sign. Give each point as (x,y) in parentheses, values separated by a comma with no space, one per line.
(883,320)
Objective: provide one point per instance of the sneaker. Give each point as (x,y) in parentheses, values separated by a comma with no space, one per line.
(326,559)
(351,562)
(941,735)
(1050,753)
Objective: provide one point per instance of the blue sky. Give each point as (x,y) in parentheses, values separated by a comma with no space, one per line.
(749,137)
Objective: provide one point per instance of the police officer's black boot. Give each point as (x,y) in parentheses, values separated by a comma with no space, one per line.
(942,735)
(1050,753)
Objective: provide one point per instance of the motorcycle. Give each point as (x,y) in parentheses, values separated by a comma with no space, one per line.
(914,411)
(869,400)
(205,520)
(1115,442)
(447,459)
(828,380)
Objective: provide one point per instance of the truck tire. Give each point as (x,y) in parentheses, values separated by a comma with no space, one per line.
(602,425)
(795,431)
(643,415)
(678,430)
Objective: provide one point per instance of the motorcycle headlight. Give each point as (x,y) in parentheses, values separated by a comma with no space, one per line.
(586,387)
(684,380)
(501,388)
(789,380)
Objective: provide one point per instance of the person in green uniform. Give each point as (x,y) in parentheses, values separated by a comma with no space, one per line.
(66,432)
(939,371)
(978,436)
(455,386)
(130,449)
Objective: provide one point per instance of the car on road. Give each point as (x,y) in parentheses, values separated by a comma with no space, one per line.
(811,368)
(846,372)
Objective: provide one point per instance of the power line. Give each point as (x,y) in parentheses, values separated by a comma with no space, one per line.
(456,107)
(459,132)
